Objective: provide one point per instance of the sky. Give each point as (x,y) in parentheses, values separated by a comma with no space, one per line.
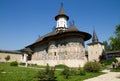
(23,21)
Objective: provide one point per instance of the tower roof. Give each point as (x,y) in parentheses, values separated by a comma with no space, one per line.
(95,38)
(72,28)
(61,13)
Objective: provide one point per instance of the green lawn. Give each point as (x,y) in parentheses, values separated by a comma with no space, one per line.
(11,73)
(78,77)
(115,70)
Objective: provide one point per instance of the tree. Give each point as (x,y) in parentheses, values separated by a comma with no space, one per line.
(115,41)
(7,57)
(107,46)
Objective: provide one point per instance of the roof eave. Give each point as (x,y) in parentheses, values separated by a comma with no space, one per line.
(61,15)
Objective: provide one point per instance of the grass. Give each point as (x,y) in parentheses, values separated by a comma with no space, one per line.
(115,70)
(32,65)
(77,77)
(11,73)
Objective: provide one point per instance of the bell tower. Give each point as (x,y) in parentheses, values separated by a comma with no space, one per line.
(61,20)
(95,49)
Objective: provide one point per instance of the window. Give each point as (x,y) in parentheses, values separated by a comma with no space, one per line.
(54,53)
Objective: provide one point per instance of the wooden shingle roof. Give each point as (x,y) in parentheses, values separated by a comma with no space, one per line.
(61,14)
(71,29)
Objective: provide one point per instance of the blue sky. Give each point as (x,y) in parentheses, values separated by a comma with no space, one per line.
(23,21)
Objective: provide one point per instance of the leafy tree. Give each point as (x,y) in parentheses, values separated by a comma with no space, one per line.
(107,46)
(86,52)
(115,41)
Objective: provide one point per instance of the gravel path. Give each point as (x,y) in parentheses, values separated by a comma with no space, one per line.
(109,76)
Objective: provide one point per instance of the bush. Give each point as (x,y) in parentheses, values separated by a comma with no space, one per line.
(66,72)
(113,59)
(73,72)
(22,63)
(82,72)
(61,66)
(109,62)
(47,69)
(7,57)
(33,65)
(46,75)
(105,62)
(92,67)
(14,63)
(40,75)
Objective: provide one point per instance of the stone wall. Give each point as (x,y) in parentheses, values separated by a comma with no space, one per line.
(69,51)
(118,58)
(95,51)
(70,63)
(13,56)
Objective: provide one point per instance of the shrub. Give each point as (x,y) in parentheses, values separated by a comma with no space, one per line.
(66,72)
(105,62)
(113,59)
(14,63)
(33,65)
(92,67)
(73,72)
(7,57)
(47,69)
(46,75)
(22,63)
(61,66)
(82,72)
(51,74)
(108,62)
(40,75)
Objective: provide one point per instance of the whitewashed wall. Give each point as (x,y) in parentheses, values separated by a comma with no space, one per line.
(94,51)
(69,51)
(13,57)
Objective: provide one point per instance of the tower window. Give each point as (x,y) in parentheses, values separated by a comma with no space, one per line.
(54,53)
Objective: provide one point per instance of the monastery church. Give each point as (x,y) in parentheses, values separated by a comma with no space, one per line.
(64,45)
